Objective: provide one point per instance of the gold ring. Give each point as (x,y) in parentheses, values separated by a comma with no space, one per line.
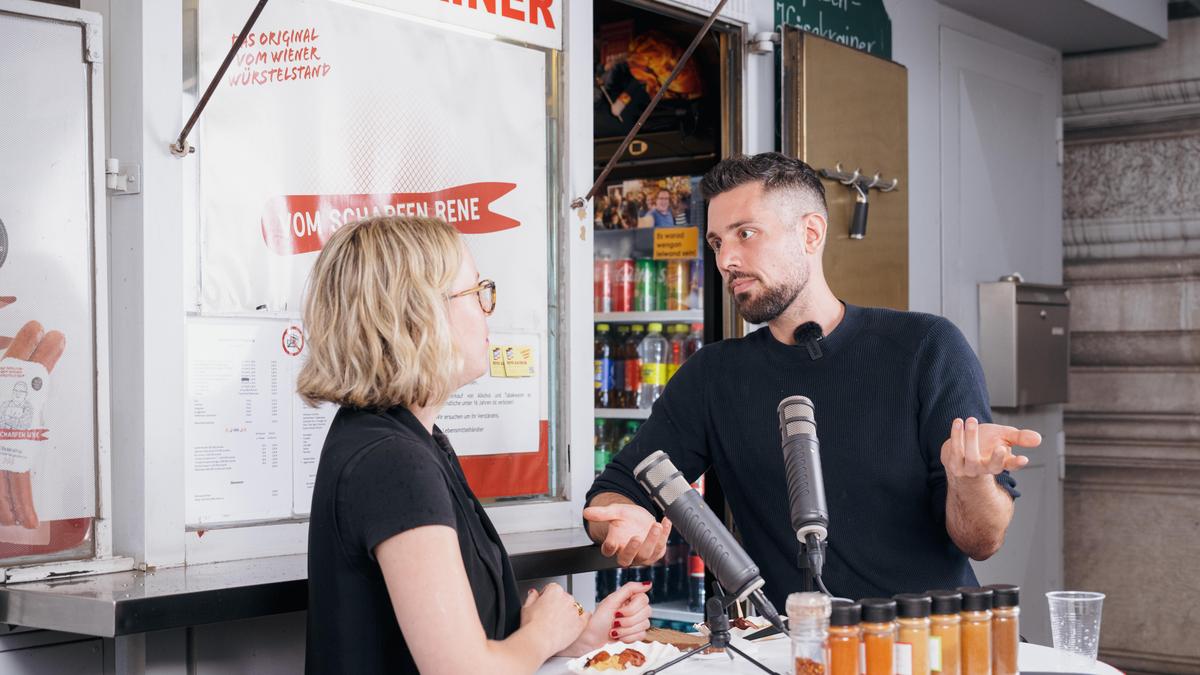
(579,608)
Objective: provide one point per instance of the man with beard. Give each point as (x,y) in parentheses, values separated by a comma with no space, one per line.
(916,479)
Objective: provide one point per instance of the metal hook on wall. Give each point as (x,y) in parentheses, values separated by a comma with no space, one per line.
(862,187)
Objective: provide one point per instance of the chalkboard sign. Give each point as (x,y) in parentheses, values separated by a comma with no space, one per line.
(861,24)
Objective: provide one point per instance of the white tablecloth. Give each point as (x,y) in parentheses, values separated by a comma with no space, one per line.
(775,655)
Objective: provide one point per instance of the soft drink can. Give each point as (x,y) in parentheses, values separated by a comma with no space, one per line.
(696,284)
(603,280)
(645,294)
(623,275)
(678,285)
(660,280)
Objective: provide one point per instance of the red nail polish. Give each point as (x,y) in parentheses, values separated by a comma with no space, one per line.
(616,624)
(646,583)
(614,633)
(619,615)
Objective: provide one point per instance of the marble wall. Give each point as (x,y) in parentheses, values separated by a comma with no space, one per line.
(1131,246)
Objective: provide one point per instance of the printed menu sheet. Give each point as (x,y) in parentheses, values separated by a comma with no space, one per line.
(238,434)
(253,445)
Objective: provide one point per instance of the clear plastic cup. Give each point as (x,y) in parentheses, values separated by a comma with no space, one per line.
(1075,621)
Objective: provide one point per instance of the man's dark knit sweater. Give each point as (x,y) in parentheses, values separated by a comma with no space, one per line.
(886,390)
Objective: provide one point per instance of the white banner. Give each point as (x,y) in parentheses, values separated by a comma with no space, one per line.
(332,112)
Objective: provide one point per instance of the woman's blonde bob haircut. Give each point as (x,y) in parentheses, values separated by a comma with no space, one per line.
(377,317)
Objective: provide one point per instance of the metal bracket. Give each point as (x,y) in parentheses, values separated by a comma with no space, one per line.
(763,43)
(122,179)
(93,44)
(1058,139)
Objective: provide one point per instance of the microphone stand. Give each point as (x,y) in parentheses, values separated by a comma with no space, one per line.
(716,615)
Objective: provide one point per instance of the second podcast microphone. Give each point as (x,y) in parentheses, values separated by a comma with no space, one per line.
(701,528)
(806,482)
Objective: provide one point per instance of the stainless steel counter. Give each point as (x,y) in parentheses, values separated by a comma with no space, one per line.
(125,603)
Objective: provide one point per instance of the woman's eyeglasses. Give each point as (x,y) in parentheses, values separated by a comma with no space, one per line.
(485,291)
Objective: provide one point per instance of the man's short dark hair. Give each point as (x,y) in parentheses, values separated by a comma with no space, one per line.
(774,170)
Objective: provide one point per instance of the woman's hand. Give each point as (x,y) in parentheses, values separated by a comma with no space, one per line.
(624,615)
(554,616)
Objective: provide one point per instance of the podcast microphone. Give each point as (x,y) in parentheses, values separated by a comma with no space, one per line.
(728,561)
(806,483)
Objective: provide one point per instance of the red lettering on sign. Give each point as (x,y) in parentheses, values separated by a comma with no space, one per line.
(541,7)
(539,10)
(295,224)
(506,8)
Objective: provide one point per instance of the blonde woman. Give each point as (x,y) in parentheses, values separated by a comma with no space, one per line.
(406,573)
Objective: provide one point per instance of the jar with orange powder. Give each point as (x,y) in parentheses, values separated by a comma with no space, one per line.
(845,638)
(945,632)
(912,641)
(1006,610)
(879,635)
(976,630)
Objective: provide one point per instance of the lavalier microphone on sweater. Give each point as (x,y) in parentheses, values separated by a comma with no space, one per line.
(809,336)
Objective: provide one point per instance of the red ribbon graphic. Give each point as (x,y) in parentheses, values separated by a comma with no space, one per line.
(23,434)
(295,224)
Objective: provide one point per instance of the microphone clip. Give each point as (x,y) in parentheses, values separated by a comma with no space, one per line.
(809,336)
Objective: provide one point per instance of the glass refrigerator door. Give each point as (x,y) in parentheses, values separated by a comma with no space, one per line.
(650,317)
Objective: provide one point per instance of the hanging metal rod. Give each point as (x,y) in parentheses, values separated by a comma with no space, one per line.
(181,148)
(579,202)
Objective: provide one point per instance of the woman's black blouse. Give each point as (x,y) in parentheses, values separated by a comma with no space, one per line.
(380,474)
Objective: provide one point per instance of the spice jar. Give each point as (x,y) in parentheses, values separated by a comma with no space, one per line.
(945,632)
(912,641)
(1006,600)
(976,630)
(808,626)
(845,638)
(879,635)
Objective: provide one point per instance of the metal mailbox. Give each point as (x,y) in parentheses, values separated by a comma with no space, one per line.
(1024,342)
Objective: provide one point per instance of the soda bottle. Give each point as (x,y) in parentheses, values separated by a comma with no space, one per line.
(659,580)
(695,582)
(605,583)
(694,341)
(601,442)
(604,366)
(653,354)
(678,334)
(633,366)
(631,429)
(638,573)
(603,454)
(617,399)
(677,564)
